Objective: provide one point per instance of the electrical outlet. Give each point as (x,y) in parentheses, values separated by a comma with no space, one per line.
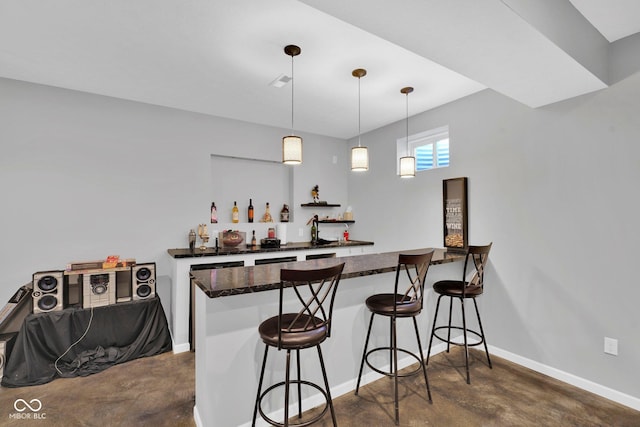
(300,232)
(611,346)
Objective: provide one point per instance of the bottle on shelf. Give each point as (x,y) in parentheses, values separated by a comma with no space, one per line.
(314,233)
(284,213)
(214,213)
(267,215)
(235,213)
(192,239)
(254,243)
(250,211)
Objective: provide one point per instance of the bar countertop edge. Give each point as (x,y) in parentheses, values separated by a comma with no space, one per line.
(216,283)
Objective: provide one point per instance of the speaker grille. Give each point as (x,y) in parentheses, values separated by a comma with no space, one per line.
(48,291)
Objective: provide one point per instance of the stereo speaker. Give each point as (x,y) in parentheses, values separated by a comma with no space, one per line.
(48,291)
(6,345)
(99,289)
(123,285)
(143,277)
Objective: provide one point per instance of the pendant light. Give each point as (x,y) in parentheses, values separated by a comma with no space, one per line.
(407,163)
(359,154)
(292,144)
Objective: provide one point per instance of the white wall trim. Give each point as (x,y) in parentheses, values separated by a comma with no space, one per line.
(590,386)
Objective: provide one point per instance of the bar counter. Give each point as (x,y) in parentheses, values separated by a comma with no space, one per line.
(231,304)
(241,280)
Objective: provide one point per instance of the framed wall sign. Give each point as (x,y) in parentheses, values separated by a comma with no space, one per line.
(454,205)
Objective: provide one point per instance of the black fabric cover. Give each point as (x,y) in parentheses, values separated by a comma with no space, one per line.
(118,333)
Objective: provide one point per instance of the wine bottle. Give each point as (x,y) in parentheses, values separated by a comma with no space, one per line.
(254,243)
(250,211)
(284,213)
(214,213)
(235,214)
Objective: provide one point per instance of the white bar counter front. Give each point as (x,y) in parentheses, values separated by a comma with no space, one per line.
(230,303)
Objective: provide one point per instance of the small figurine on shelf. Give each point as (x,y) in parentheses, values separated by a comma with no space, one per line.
(315,193)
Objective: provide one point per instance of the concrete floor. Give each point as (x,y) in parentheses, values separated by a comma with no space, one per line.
(159,391)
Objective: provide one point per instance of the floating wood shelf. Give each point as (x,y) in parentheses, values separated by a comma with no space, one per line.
(319,205)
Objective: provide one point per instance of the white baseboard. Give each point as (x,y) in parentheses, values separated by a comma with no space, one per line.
(181,348)
(590,386)
(196,417)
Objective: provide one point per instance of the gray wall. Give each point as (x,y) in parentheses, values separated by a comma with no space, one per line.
(555,190)
(84,176)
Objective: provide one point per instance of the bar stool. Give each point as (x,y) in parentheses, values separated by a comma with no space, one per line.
(308,327)
(474,264)
(399,304)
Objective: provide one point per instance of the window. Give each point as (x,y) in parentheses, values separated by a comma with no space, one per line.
(430,148)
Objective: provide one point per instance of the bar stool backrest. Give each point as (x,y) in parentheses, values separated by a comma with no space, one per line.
(315,291)
(416,267)
(474,265)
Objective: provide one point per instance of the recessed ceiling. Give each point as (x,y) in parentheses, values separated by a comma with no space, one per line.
(219,57)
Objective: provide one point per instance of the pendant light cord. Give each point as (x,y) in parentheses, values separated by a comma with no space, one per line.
(407,96)
(292,82)
(358,111)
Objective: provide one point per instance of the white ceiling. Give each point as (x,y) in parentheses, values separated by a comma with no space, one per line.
(218,56)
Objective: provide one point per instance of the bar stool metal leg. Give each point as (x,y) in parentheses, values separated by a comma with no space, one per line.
(486,349)
(433,328)
(466,344)
(299,386)
(264,363)
(424,369)
(394,367)
(364,353)
(326,385)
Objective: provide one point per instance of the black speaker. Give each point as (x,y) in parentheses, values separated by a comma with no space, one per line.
(143,281)
(48,291)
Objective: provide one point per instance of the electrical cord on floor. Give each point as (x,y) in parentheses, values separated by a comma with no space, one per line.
(77,341)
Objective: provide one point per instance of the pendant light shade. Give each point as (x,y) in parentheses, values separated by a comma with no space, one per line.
(292,150)
(359,159)
(407,163)
(359,154)
(292,144)
(407,167)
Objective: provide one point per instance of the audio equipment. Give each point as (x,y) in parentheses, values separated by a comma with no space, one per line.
(48,291)
(6,345)
(99,289)
(123,285)
(143,278)
(72,290)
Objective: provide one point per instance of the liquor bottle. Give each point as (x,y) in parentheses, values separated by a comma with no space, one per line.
(254,243)
(192,240)
(214,213)
(314,233)
(250,211)
(235,214)
(267,215)
(284,213)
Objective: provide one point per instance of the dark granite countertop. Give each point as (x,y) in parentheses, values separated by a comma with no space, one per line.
(243,249)
(240,280)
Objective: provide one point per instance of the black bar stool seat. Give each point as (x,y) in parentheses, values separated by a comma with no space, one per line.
(295,338)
